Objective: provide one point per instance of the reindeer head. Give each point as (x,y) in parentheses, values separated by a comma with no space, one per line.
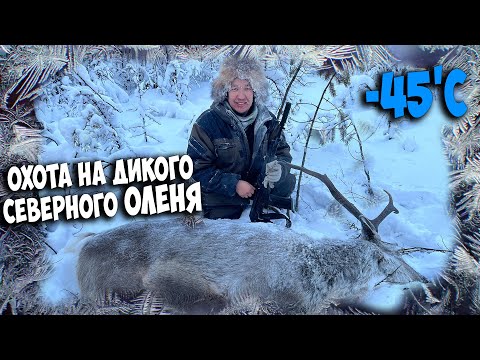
(387,255)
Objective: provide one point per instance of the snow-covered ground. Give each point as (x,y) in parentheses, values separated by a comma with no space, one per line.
(406,159)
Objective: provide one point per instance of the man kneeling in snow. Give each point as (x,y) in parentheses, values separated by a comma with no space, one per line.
(228,143)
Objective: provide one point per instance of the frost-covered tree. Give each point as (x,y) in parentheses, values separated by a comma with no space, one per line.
(462,141)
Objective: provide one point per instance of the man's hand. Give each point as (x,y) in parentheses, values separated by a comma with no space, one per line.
(273,172)
(244,189)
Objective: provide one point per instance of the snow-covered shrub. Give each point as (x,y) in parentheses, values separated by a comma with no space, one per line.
(85,104)
(179,77)
(126,78)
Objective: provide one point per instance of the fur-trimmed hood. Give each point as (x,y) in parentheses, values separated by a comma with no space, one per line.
(244,68)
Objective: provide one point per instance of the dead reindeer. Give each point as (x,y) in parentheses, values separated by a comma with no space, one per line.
(219,263)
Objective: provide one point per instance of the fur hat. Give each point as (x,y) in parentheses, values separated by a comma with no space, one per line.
(244,68)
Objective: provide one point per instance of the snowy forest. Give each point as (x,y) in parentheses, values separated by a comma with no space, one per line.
(80,103)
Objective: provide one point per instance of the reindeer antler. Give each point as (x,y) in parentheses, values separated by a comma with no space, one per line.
(369,227)
(388,209)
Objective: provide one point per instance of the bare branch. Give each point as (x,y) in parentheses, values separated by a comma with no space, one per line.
(292,80)
(308,139)
(422,249)
(96,93)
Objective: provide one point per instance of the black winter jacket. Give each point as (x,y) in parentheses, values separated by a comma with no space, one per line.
(221,155)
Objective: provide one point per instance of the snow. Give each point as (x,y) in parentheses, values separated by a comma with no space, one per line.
(406,159)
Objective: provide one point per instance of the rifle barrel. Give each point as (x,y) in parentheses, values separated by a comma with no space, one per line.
(288,105)
(276,132)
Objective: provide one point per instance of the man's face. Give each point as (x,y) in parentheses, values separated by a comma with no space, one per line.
(240,96)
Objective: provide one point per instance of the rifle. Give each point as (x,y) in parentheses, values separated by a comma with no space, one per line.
(262,198)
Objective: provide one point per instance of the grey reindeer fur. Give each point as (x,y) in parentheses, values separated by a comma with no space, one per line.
(219,263)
